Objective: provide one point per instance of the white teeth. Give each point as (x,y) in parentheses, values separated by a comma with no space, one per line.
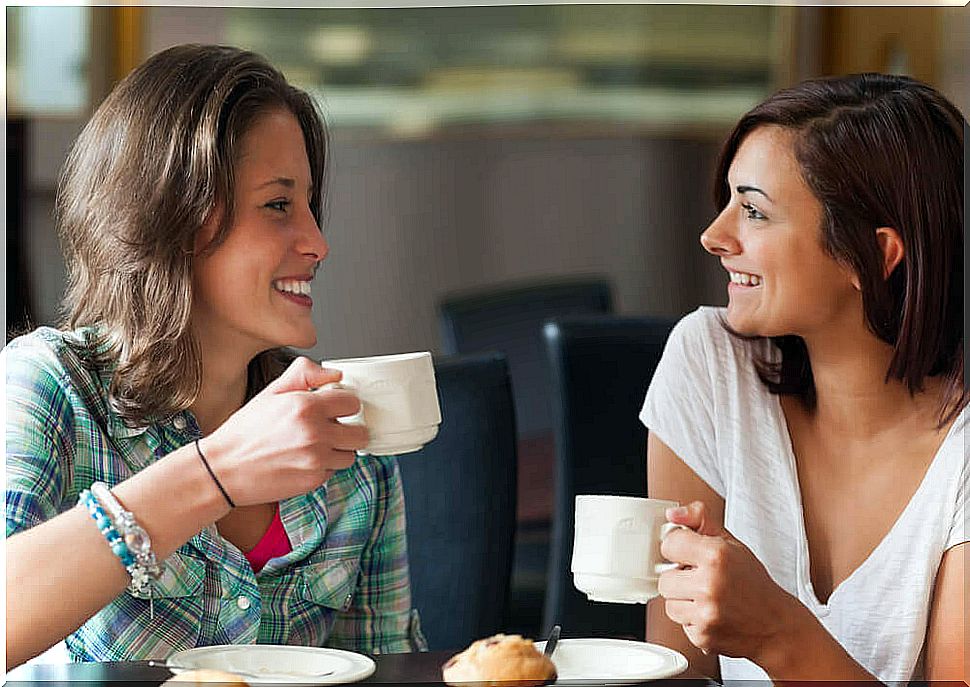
(292,286)
(745,278)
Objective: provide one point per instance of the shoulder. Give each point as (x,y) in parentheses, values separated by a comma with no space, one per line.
(703,338)
(37,360)
(54,372)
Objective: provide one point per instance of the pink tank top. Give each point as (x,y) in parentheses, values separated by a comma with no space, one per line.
(273,544)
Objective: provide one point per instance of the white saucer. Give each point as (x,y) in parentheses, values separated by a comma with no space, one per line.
(274,664)
(613,661)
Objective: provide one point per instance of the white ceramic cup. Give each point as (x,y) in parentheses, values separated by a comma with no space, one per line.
(616,547)
(398,397)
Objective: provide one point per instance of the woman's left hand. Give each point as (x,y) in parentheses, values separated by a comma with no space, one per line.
(722,595)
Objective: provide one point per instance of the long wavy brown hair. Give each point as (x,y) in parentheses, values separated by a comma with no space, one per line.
(879,151)
(153,162)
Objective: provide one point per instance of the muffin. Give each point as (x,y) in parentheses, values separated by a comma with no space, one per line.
(205,676)
(499,661)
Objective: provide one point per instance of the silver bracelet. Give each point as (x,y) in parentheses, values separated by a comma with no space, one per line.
(145,568)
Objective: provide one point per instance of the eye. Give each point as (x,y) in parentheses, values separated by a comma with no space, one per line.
(752,212)
(278,205)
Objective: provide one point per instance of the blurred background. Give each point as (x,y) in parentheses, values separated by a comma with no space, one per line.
(473,148)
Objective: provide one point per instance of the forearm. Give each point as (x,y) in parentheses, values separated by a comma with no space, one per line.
(807,651)
(62,572)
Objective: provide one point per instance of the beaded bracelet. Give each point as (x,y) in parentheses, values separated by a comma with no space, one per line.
(132,544)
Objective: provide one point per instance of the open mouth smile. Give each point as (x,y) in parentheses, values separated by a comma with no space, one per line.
(294,290)
(745,279)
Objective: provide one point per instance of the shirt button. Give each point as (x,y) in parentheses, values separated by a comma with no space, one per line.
(179,422)
(243,602)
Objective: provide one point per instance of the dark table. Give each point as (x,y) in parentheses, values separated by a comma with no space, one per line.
(392,669)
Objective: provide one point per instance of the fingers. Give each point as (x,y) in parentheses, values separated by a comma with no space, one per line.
(301,375)
(683,613)
(685,547)
(679,611)
(677,584)
(336,402)
(696,516)
(349,437)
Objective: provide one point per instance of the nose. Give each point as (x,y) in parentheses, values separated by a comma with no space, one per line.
(310,242)
(719,238)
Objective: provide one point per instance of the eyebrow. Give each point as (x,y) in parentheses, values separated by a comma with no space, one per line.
(752,189)
(278,181)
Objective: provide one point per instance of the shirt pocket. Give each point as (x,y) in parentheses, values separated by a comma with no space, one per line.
(178,598)
(331,582)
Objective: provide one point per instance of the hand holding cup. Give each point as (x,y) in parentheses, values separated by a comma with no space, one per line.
(286,440)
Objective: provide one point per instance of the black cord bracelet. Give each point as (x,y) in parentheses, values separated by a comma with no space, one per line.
(213,475)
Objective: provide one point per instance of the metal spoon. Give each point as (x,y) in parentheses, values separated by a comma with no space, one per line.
(552,641)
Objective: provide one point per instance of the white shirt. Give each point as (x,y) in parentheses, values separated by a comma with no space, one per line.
(708,405)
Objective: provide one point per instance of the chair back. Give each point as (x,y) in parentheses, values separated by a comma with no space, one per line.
(601,368)
(509,319)
(460,504)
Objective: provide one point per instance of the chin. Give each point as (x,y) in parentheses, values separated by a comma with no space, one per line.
(304,341)
(744,324)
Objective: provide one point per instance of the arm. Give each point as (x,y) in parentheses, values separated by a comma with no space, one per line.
(380,616)
(669,478)
(715,595)
(172,500)
(64,556)
(946,635)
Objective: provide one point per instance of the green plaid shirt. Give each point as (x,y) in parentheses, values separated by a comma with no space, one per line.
(344,584)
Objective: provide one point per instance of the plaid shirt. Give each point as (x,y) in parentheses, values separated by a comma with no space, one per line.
(344,584)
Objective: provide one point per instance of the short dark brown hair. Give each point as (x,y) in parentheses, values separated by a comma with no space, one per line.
(153,162)
(879,151)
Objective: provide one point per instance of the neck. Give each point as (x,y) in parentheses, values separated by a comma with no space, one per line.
(224,382)
(853,397)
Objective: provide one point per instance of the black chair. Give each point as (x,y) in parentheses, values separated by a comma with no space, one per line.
(601,367)
(509,319)
(460,505)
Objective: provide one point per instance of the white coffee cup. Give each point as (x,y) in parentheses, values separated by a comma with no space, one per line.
(616,547)
(398,397)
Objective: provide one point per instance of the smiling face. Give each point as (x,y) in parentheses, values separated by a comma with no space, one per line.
(252,292)
(768,237)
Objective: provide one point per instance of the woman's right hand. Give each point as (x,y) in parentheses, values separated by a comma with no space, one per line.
(286,440)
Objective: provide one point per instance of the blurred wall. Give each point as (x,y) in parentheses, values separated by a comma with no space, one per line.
(410,221)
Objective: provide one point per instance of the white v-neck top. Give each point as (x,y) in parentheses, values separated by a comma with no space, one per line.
(708,405)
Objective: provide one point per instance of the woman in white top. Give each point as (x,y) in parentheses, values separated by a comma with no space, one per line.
(815,428)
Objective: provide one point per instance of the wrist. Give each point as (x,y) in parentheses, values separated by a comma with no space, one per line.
(802,649)
(784,649)
(208,456)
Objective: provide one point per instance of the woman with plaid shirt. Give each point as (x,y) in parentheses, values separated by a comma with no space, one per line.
(189,212)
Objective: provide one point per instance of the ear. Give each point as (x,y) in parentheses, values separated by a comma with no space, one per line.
(207,232)
(891,247)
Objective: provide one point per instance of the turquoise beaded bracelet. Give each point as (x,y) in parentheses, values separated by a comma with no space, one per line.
(107,528)
(131,545)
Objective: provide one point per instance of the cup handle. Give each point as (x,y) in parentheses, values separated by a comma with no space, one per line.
(666,529)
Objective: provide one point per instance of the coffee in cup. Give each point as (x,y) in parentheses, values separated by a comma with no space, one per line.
(616,547)
(398,397)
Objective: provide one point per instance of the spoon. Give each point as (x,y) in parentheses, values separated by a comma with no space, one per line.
(552,641)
